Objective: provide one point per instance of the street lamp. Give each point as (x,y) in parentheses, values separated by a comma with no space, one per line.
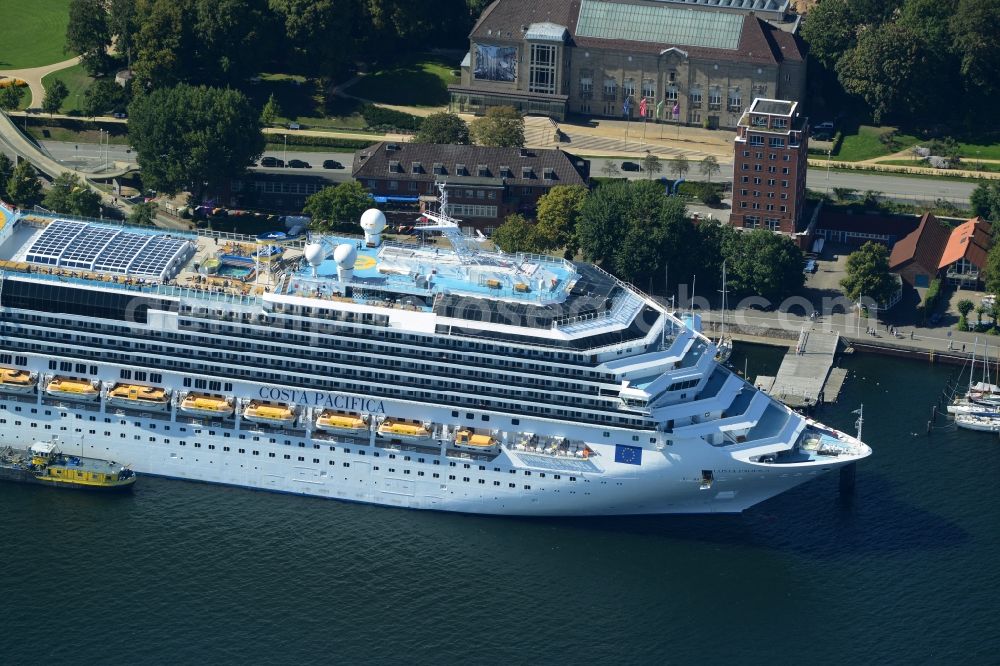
(829,152)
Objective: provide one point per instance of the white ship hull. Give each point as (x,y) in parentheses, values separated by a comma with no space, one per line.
(982,424)
(665,482)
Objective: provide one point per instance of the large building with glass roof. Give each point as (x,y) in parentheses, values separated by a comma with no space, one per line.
(694,61)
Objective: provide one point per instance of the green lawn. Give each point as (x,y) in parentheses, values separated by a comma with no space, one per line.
(983,151)
(33,33)
(89,133)
(421,83)
(303,101)
(865,145)
(77,81)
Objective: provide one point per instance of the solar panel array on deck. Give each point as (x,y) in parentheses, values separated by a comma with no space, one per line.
(116,251)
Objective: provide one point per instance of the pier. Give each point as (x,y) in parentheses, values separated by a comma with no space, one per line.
(807,376)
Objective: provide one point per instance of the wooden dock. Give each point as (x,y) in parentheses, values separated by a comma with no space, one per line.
(804,378)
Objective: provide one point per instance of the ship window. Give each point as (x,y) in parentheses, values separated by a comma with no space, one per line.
(512,485)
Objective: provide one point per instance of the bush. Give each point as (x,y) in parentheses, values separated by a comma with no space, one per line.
(930,298)
(322,141)
(378,118)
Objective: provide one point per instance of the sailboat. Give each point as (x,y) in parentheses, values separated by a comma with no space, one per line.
(724,345)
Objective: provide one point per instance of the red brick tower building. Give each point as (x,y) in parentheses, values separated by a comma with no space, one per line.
(769,171)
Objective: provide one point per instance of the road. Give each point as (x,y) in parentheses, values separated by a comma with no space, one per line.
(90,155)
(897,188)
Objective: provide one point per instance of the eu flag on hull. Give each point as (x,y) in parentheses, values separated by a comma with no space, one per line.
(629,455)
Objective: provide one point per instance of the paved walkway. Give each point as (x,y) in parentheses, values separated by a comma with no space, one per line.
(939,340)
(34,78)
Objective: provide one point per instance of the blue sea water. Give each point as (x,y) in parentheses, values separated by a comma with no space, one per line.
(904,571)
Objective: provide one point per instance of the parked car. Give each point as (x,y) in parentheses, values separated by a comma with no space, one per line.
(120,115)
(810,266)
(272,162)
(631,166)
(332,164)
(299,164)
(294,126)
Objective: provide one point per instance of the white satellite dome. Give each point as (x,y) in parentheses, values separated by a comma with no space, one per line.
(373,221)
(314,253)
(345,255)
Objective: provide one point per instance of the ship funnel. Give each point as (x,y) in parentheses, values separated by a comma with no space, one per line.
(373,222)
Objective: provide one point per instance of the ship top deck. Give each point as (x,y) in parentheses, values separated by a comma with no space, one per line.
(218,266)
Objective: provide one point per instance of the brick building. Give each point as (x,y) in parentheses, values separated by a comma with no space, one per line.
(769,169)
(703,60)
(484,184)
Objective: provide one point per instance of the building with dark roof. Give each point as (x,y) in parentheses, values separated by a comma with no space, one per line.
(693,61)
(484,184)
(769,167)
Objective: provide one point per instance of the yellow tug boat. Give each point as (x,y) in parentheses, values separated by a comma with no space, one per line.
(73,389)
(340,422)
(470,439)
(139,396)
(44,464)
(407,431)
(199,404)
(17,381)
(270,413)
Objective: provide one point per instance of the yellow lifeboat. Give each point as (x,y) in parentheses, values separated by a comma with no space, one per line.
(340,422)
(407,431)
(270,413)
(199,404)
(471,439)
(139,396)
(73,389)
(17,381)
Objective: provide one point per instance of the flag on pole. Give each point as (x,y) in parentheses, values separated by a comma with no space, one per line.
(627,106)
(642,108)
(659,108)
(676,110)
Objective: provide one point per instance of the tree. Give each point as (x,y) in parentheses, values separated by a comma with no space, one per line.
(6,170)
(709,167)
(610,169)
(830,31)
(68,194)
(652,164)
(965,306)
(844,193)
(103,96)
(87,33)
(557,213)
(444,128)
(980,311)
(992,269)
(337,205)
(974,29)
(270,111)
(501,127)
(883,69)
(23,187)
(680,166)
(762,263)
(985,200)
(10,97)
(868,274)
(516,234)
(870,199)
(193,137)
(143,214)
(54,96)
(602,221)
(123,24)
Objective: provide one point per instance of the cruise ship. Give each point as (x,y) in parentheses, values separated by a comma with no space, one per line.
(427,375)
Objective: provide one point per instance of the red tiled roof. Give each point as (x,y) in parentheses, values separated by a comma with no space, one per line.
(970,240)
(924,245)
